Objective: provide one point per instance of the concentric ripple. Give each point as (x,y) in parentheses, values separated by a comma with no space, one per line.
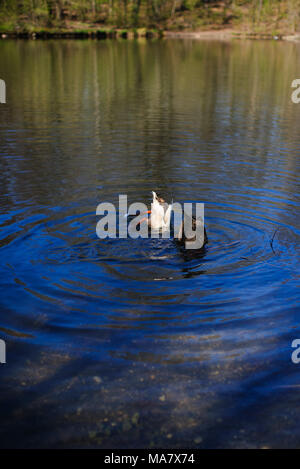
(118,341)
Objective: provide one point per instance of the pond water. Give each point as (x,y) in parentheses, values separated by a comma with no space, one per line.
(132,343)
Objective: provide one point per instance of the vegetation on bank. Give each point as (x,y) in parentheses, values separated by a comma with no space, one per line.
(142,17)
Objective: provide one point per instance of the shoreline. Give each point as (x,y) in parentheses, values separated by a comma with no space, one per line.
(230,34)
(89,33)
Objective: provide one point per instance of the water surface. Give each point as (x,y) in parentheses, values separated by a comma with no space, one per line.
(133,343)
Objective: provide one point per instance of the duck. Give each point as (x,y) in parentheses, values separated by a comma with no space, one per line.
(160,213)
(160,218)
(183,239)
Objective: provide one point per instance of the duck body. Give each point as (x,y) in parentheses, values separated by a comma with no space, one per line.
(183,239)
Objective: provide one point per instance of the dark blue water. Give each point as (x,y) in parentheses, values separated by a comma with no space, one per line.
(133,343)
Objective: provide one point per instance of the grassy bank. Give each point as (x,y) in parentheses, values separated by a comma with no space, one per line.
(146,18)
